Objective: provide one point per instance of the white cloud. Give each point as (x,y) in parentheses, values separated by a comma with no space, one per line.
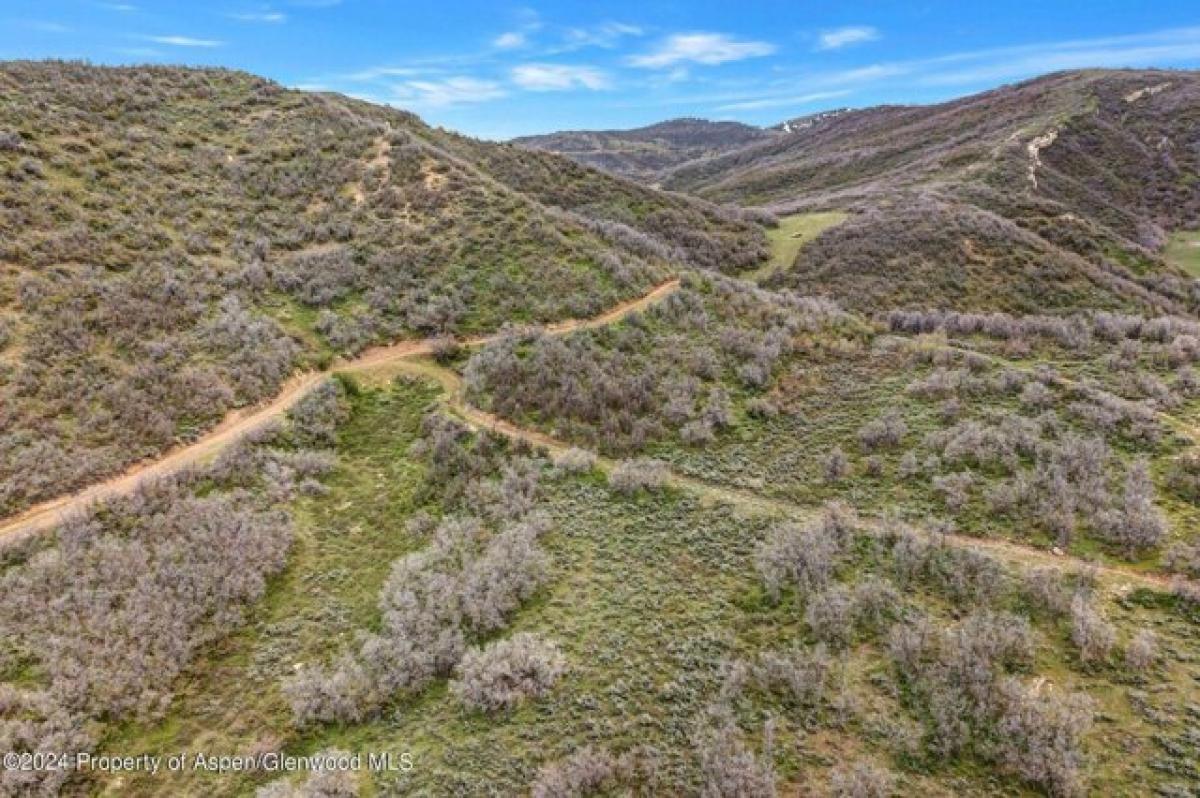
(509,41)
(124,8)
(606,35)
(559,77)
(261,16)
(700,48)
(975,68)
(779,102)
(183,41)
(844,37)
(375,73)
(448,92)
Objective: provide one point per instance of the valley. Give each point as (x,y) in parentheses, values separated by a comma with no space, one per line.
(862,461)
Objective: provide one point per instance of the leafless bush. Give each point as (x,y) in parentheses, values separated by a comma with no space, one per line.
(507,672)
(1040,736)
(1045,590)
(1142,652)
(592,771)
(1092,635)
(1138,525)
(468,581)
(730,769)
(830,615)
(835,466)
(314,419)
(33,721)
(1184,558)
(884,432)
(909,466)
(800,674)
(804,557)
(862,780)
(634,476)
(955,489)
(576,461)
(119,607)
(331,779)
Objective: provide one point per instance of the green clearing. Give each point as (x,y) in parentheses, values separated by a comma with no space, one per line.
(1183,250)
(790,236)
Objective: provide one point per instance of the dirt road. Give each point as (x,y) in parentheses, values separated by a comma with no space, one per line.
(238,423)
(412,358)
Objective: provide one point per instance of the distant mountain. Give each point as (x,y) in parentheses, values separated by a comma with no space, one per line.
(1051,194)
(646,153)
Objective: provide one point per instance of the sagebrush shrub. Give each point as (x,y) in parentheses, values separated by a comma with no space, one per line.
(508,672)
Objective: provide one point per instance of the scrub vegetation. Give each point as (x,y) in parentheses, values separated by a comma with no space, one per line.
(889,488)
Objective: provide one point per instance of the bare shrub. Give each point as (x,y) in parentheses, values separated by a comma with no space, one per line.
(314,419)
(1092,635)
(1142,652)
(802,674)
(1046,591)
(730,769)
(508,672)
(861,780)
(884,432)
(955,489)
(634,476)
(830,615)
(576,461)
(1040,736)
(1138,524)
(835,466)
(583,773)
(119,607)
(804,557)
(1184,558)
(466,582)
(330,778)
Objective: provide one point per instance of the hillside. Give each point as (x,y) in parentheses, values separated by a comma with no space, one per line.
(1071,181)
(451,468)
(178,242)
(647,153)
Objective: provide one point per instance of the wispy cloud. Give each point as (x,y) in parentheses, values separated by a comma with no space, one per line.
(606,35)
(448,92)
(974,68)
(183,41)
(781,102)
(124,8)
(375,73)
(1171,46)
(844,37)
(511,40)
(47,27)
(700,48)
(559,77)
(271,17)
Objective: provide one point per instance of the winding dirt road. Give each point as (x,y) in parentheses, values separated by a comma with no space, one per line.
(239,423)
(380,364)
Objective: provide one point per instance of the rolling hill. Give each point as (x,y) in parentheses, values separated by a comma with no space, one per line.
(177,242)
(648,153)
(568,486)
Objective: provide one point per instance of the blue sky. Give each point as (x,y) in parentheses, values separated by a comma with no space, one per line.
(497,70)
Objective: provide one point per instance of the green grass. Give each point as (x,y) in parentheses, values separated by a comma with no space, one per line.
(1183,250)
(647,597)
(790,236)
